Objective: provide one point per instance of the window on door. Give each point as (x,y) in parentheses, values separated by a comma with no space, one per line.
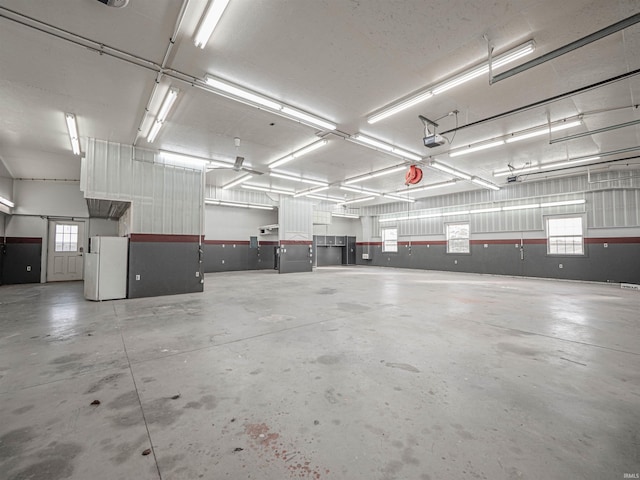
(457,238)
(66,238)
(565,236)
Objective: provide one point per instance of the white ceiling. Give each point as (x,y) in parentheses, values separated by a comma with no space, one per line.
(340,60)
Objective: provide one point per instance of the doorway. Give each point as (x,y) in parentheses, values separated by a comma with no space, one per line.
(65,251)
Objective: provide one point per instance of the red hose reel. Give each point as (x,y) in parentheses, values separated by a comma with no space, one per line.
(413,176)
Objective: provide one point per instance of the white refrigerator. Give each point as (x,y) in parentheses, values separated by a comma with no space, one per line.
(105,274)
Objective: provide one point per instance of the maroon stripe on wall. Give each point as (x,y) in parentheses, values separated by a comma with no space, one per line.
(424,242)
(368,244)
(295,242)
(268,242)
(613,240)
(23,240)
(226,242)
(157,238)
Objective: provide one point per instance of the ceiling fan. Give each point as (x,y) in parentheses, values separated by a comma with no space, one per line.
(238,164)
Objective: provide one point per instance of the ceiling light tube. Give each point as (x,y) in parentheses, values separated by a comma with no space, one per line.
(234,204)
(311,191)
(521,207)
(545,166)
(240,92)
(449,170)
(410,102)
(209,22)
(308,118)
(563,203)
(153,133)
(72,129)
(484,183)
(459,79)
(358,200)
(360,190)
(398,197)
(211,201)
(496,62)
(7,202)
(384,146)
(486,210)
(326,199)
(259,207)
(237,181)
(515,171)
(284,176)
(298,153)
(268,189)
(167,103)
(379,173)
(516,137)
(345,215)
(427,187)
(477,148)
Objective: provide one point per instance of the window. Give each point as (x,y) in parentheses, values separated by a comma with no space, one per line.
(564,235)
(66,238)
(457,237)
(389,239)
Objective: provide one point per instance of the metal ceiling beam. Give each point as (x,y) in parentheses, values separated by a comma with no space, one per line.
(592,132)
(611,29)
(546,101)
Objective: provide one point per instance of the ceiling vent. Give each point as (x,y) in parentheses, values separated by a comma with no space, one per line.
(115,3)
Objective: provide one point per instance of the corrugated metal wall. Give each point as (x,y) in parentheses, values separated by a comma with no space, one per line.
(295,219)
(165,199)
(612,200)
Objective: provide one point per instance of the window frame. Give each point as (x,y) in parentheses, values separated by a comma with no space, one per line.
(447,239)
(548,236)
(385,245)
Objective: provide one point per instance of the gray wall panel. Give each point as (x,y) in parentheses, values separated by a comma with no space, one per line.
(16,256)
(165,268)
(616,263)
(329,256)
(296,258)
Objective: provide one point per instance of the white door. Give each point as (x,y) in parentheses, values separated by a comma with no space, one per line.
(66,247)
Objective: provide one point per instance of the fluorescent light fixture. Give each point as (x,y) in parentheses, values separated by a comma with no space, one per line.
(398,197)
(326,199)
(424,94)
(358,200)
(486,210)
(209,22)
(542,131)
(240,92)
(384,146)
(545,166)
(477,148)
(398,107)
(72,128)
(311,191)
(521,207)
(563,203)
(515,171)
(308,118)
(189,160)
(284,176)
(268,189)
(7,202)
(167,103)
(345,215)
(298,153)
(475,72)
(427,187)
(449,170)
(237,181)
(360,190)
(378,173)
(227,203)
(484,183)
(155,128)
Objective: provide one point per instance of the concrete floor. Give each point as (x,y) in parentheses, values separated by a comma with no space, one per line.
(345,373)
